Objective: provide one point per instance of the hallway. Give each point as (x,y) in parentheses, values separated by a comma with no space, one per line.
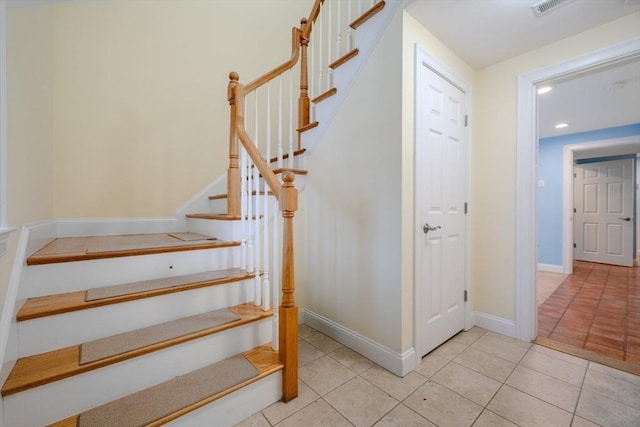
(595,310)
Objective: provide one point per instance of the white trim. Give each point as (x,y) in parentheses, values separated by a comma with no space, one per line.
(8,337)
(398,363)
(551,268)
(422,57)
(495,324)
(568,162)
(526,153)
(4,229)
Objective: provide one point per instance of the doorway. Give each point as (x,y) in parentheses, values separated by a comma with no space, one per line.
(527,137)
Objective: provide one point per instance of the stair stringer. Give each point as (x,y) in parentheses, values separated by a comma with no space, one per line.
(367,37)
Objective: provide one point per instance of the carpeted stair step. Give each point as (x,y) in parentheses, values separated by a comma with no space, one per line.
(96,297)
(40,369)
(69,249)
(167,401)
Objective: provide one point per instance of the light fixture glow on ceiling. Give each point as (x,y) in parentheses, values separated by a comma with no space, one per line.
(561,125)
(544,89)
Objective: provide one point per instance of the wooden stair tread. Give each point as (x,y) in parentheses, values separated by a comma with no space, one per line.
(368,14)
(286,155)
(325,95)
(226,196)
(221,217)
(44,368)
(69,249)
(308,127)
(73,301)
(295,171)
(263,358)
(344,58)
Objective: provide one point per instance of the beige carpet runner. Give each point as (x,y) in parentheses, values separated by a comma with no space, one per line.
(146,406)
(129,341)
(151,285)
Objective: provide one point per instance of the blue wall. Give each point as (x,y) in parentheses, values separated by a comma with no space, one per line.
(549,203)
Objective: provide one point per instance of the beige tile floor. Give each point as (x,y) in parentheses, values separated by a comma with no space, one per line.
(547,283)
(477,378)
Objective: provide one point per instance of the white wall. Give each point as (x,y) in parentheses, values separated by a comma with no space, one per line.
(493,172)
(29,120)
(140,96)
(352,204)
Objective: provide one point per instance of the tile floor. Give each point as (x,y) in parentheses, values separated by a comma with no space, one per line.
(597,308)
(477,378)
(546,284)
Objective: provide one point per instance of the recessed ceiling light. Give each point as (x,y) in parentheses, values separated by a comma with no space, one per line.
(561,125)
(544,89)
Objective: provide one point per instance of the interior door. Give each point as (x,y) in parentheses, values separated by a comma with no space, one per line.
(603,220)
(440,209)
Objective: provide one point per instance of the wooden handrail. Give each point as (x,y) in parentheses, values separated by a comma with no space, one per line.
(236,88)
(295,54)
(315,11)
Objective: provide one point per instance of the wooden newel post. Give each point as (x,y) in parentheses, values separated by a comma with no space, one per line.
(303,101)
(233,173)
(288,311)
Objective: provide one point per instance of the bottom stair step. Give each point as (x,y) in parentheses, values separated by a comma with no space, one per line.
(167,401)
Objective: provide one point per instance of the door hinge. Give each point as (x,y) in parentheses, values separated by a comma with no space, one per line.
(466,208)
(465,296)
(575,175)
(466,120)
(574,210)
(574,245)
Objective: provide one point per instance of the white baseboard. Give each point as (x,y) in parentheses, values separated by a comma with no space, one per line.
(494,324)
(398,363)
(551,268)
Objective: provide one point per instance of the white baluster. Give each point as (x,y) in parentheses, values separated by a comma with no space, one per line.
(250,252)
(266,297)
(350,41)
(339,25)
(255,220)
(320,52)
(292,125)
(276,275)
(329,46)
(265,216)
(243,209)
(280,151)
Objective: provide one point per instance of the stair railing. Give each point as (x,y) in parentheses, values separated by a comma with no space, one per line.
(266,117)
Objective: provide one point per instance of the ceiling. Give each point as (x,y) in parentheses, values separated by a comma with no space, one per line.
(486,32)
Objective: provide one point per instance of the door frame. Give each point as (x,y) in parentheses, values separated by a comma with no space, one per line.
(422,57)
(526,173)
(568,162)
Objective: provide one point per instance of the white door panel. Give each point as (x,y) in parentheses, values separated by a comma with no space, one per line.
(440,198)
(603,212)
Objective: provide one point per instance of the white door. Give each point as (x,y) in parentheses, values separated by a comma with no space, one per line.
(603,220)
(440,209)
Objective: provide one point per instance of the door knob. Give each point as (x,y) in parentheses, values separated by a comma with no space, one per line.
(626,218)
(427,228)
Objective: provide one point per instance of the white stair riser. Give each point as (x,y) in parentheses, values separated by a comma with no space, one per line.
(225,230)
(70,396)
(235,407)
(49,279)
(48,333)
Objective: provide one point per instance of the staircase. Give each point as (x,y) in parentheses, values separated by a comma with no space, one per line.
(89,286)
